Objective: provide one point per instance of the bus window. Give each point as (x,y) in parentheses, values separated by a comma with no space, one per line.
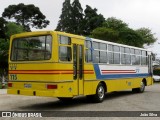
(144,58)
(65,53)
(103,46)
(122,49)
(127,50)
(116,58)
(137,60)
(116,48)
(128,59)
(31,48)
(88,55)
(95,45)
(110,57)
(103,57)
(132,51)
(110,47)
(95,56)
(88,44)
(64,40)
(137,52)
(133,60)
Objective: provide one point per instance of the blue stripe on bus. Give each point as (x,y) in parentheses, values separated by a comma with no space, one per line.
(115,76)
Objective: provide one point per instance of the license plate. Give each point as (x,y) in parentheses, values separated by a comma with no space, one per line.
(27,85)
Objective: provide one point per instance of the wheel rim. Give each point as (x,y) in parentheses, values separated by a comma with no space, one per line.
(142,86)
(101,92)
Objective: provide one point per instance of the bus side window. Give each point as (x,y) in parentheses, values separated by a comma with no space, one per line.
(96,56)
(110,54)
(88,52)
(116,55)
(65,51)
(144,58)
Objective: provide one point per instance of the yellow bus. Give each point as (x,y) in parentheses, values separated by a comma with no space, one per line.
(62,65)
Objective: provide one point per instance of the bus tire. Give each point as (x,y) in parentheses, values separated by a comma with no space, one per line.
(140,89)
(100,93)
(65,99)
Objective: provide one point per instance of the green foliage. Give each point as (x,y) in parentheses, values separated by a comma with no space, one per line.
(13,28)
(115,30)
(147,35)
(77,17)
(72,19)
(92,20)
(115,24)
(26,15)
(2,27)
(93,24)
(4,47)
(128,36)
(106,34)
(65,23)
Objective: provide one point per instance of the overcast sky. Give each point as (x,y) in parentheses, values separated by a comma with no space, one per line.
(136,13)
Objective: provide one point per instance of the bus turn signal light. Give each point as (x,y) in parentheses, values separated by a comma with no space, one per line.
(51,86)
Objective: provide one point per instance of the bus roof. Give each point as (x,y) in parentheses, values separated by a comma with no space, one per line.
(72,35)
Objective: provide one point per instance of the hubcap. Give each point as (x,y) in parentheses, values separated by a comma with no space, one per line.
(142,86)
(101,92)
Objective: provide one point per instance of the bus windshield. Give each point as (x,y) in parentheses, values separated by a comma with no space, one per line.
(31,48)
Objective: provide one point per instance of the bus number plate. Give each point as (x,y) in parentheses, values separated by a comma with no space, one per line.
(27,85)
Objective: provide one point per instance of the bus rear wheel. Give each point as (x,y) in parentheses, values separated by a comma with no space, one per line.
(140,89)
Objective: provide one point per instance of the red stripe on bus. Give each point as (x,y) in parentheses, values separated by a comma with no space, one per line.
(47,72)
(117,70)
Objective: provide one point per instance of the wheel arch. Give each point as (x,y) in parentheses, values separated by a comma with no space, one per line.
(145,81)
(104,84)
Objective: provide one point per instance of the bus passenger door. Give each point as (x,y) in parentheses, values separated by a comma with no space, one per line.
(150,71)
(78,64)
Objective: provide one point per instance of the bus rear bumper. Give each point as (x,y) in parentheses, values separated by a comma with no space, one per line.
(47,93)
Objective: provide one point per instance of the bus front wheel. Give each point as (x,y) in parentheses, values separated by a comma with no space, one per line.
(140,89)
(100,93)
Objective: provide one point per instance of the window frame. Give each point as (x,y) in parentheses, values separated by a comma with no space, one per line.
(68,45)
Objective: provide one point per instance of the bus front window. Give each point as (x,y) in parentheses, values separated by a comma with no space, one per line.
(31,48)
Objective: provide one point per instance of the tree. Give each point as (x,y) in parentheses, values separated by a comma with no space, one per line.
(11,28)
(64,24)
(2,27)
(4,47)
(92,20)
(116,30)
(77,17)
(106,34)
(115,24)
(130,37)
(147,35)
(26,15)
